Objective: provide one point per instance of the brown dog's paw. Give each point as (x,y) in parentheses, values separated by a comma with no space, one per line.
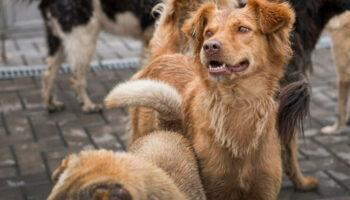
(309,183)
(92,108)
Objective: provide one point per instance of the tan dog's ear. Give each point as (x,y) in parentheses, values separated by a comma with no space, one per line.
(194,26)
(64,164)
(272,16)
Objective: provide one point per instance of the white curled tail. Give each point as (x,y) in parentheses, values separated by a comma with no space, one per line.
(147,93)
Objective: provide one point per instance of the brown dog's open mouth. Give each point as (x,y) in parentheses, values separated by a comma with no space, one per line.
(218,68)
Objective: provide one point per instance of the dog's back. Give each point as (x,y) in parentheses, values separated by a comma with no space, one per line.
(174,154)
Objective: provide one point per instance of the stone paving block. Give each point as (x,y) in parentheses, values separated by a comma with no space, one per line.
(320,97)
(108,75)
(105,137)
(77,137)
(54,164)
(317,164)
(296,195)
(116,116)
(96,91)
(13,85)
(6,172)
(311,132)
(123,132)
(58,153)
(337,198)
(84,120)
(35,178)
(31,99)
(107,54)
(342,151)
(19,127)
(125,74)
(341,174)
(332,139)
(35,60)
(30,163)
(14,60)
(38,191)
(328,186)
(312,150)
(45,130)
(13,194)
(6,158)
(9,102)
(48,143)
(286,194)
(124,53)
(26,146)
(60,118)
(2,129)
(133,44)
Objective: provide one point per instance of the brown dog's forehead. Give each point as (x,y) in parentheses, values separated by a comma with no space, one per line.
(233,16)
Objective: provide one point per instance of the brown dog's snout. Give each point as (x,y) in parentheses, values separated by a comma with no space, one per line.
(212,47)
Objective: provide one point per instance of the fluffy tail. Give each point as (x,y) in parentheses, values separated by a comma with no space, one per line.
(294,107)
(147,93)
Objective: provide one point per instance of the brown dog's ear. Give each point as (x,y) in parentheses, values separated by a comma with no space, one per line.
(64,164)
(194,26)
(272,16)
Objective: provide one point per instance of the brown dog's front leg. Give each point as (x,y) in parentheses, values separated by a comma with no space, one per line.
(291,167)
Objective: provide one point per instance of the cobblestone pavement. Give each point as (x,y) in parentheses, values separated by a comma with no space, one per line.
(32,142)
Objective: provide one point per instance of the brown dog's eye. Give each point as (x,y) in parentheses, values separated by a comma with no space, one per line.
(208,33)
(243,29)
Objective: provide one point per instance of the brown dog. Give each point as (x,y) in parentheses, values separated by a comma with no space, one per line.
(159,166)
(340,32)
(226,93)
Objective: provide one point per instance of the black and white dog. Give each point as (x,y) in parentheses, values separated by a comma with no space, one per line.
(72,28)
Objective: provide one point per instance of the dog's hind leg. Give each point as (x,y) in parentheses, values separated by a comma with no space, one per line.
(291,167)
(79,46)
(54,61)
(343,93)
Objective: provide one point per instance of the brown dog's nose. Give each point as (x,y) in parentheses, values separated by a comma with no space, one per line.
(212,47)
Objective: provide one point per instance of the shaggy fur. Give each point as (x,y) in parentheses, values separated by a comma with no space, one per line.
(159,166)
(340,32)
(228,107)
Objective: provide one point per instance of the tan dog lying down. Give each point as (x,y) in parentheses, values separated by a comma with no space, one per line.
(160,166)
(340,32)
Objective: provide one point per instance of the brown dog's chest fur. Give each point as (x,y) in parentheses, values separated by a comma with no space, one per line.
(233,136)
(232,151)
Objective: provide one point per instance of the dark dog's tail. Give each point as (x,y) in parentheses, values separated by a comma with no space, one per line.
(294,107)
